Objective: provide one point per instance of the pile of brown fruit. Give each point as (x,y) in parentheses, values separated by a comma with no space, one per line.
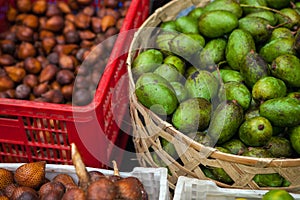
(43,50)
(29,182)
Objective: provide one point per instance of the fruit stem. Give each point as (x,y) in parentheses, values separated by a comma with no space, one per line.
(269,9)
(116,170)
(219,76)
(83,175)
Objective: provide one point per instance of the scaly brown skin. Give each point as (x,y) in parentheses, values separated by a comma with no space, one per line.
(31,174)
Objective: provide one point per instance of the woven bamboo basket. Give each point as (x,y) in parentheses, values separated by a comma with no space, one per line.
(149,127)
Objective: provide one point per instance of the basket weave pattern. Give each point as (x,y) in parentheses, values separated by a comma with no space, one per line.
(148,128)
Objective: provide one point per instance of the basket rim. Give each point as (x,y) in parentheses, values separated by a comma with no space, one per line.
(216,154)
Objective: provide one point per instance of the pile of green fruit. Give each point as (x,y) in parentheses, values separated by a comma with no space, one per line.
(228,75)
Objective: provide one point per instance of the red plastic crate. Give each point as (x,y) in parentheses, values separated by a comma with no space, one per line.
(25,125)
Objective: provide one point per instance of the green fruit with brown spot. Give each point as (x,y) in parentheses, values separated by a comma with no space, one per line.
(253,68)
(236,91)
(279,147)
(235,146)
(202,84)
(256,131)
(258,27)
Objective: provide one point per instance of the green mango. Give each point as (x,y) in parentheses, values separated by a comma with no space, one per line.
(227,5)
(268,88)
(256,132)
(163,40)
(156,93)
(265,14)
(277,47)
(281,32)
(228,75)
(225,121)
(187,24)
(287,68)
(176,61)
(279,147)
(268,180)
(180,90)
(297,42)
(249,3)
(168,25)
(278,4)
(185,45)
(202,84)
(258,27)
(239,44)
(281,112)
(192,115)
(253,68)
(169,72)
(216,23)
(235,146)
(257,152)
(236,91)
(294,136)
(147,61)
(212,53)
(289,19)
(196,13)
